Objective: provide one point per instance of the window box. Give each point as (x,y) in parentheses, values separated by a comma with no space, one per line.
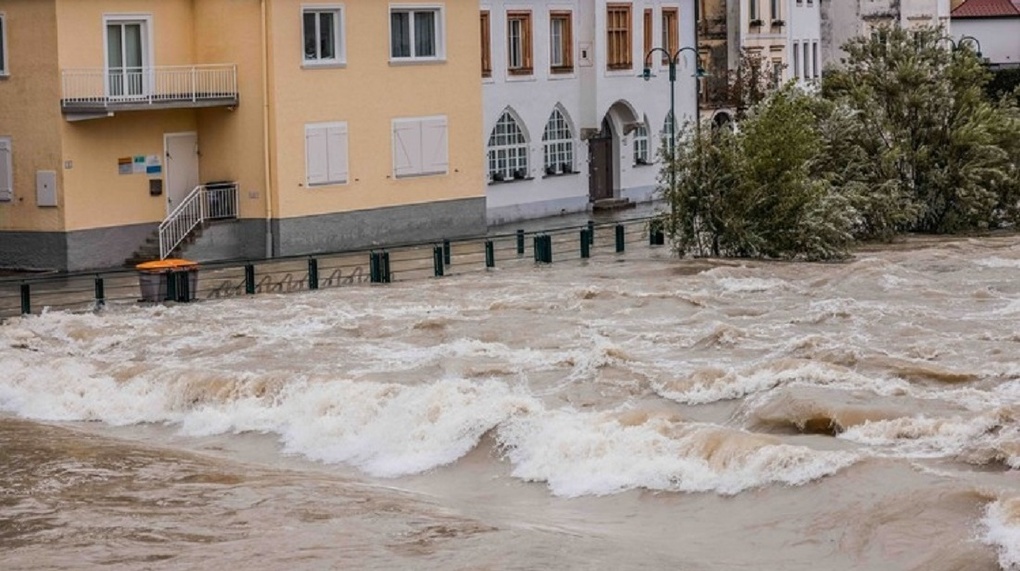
(756,23)
(778,23)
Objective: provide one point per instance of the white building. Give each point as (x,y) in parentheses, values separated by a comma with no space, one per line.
(846,19)
(991,27)
(805,36)
(568,119)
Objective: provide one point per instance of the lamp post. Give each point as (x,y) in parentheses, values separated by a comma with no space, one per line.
(672,59)
(958,44)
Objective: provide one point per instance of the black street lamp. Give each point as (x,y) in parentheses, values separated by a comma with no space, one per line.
(959,44)
(698,74)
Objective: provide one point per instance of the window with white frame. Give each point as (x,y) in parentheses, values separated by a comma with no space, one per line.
(323,30)
(641,144)
(814,59)
(6,170)
(3,45)
(796,60)
(326,153)
(416,33)
(420,146)
(558,145)
(808,74)
(508,150)
(127,56)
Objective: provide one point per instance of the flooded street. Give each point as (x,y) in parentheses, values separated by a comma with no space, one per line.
(624,413)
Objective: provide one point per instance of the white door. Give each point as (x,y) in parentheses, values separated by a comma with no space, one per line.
(181,159)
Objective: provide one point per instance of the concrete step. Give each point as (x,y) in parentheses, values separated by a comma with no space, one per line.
(610,204)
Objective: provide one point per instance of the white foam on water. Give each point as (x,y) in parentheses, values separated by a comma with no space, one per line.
(578,454)
(750,285)
(985,437)
(1002,531)
(996,262)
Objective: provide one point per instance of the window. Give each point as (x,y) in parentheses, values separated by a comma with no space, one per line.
(669,126)
(618,33)
(774,10)
(325,153)
(518,49)
(322,29)
(670,32)
(752,10)
(807,60)
(561,42)
(641,144)
(420,146)
(416,33)
(777,72)
(558,144)
(127,49)
(3,46)
(796,60)
(486,45)
(6,171)
(647,29)
(508,150)
(814,60)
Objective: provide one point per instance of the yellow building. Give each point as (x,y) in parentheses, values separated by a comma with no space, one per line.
(275,127)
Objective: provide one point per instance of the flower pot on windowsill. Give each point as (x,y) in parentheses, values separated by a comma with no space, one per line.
(497,177)
(550,170)
(520,174)
(778,23)
(756,23)
(566,168)
(641,162)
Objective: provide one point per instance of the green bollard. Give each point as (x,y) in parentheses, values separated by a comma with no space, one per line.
(437,261)
(249,279)
(26,299)
(591,231)
(620,246)
(520,242)
(313,273)
(100,292)
(585,245)
(446,252)
(490,255)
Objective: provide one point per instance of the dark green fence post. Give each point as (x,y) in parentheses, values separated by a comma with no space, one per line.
(26,299)
(548,249)
(313,273)
(585,245)
(591,231)
(387,276)
(249,279)
(536,247)
(100,292)
(171,285)
(520,242)
(446,252)
(183,287)
(374,271)
(437,261)
(490,255)
(620,245)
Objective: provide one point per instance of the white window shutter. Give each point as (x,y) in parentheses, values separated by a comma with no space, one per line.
(435,151)
(6,172)
(316,155)
(407,148)
(337,144)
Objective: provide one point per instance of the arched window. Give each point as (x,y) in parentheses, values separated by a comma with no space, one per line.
(668,126)
(508,150)
(641,144)
(558,144)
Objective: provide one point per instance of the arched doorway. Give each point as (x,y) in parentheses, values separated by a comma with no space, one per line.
(604,151)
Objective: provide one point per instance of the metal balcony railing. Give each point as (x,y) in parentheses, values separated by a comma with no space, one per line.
(126,88)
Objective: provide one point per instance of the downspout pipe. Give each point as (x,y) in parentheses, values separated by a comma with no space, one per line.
(267,164)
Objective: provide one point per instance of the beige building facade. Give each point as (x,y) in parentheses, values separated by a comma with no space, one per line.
(300,127)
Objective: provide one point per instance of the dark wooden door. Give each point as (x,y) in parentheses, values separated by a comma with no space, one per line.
(600,165)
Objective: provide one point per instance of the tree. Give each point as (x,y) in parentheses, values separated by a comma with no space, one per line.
(928,144)
(751,192)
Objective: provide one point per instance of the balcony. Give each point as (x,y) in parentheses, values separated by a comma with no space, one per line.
(89,93)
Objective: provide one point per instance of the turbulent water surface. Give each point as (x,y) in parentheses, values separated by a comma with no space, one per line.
(645,412)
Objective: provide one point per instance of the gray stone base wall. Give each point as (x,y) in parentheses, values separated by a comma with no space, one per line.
(541,209)
(243,239)
(639,194)
(380,227)
(98,248)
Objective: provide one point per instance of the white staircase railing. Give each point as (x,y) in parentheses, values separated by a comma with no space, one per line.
(206,202)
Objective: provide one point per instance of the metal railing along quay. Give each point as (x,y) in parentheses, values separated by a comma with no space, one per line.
(33,294)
